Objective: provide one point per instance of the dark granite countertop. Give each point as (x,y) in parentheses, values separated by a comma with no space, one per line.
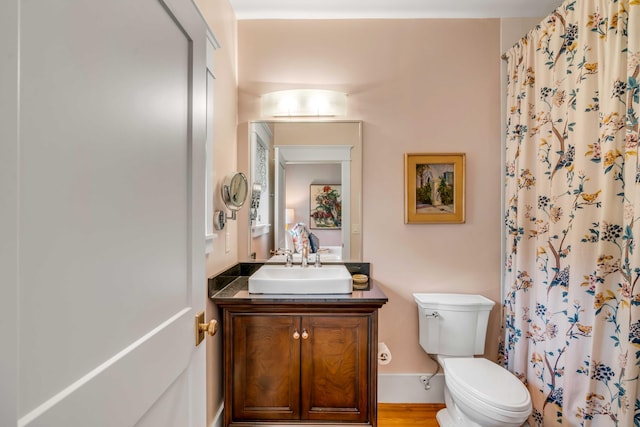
(231,287)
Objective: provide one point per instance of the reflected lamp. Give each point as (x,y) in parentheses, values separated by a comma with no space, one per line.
(289,217)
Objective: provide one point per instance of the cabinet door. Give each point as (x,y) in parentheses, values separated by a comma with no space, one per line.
(266,367)
(334,368)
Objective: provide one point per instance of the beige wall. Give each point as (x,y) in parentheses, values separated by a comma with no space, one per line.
(299,178)
(419,86)
(223,24)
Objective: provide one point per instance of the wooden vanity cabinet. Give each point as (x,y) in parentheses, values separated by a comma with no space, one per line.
(300,365)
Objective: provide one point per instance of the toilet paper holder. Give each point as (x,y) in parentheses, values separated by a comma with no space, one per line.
(384,354)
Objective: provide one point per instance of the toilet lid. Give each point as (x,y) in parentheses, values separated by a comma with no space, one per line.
(487,382)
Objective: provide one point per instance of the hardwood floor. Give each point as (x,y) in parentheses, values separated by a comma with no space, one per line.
(408,415)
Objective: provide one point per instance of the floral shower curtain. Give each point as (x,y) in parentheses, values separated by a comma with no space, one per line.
(572,215)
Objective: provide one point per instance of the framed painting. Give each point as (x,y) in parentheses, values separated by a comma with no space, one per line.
(434,188)
(325,210)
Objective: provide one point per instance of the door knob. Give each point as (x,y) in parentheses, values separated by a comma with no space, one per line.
(296,335)
(201,327)
(211,328)
(305,334)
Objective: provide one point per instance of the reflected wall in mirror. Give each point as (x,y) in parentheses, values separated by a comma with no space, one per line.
(285,158)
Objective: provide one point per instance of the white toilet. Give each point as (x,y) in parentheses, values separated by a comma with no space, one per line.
(478,392)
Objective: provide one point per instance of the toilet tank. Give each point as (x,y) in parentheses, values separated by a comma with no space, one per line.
(453,324)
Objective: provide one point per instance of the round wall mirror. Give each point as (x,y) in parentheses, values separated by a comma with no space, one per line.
(234,190)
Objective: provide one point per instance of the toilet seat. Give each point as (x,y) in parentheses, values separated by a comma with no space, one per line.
(485,387)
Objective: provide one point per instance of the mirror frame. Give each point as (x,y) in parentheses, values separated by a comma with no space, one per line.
(244,164)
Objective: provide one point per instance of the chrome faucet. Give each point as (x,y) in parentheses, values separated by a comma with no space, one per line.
(288,259)
(305,255)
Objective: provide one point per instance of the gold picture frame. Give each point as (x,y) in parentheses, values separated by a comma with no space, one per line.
(434,188)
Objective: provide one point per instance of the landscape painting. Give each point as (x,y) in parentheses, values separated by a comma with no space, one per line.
(434,185)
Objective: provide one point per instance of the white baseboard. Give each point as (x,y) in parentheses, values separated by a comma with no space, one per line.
(407,388)
(218,419)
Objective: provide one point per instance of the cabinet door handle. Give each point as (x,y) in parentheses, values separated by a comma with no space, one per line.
(296,335)
(305,334)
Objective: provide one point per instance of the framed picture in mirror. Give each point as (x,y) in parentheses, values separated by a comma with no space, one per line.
(434,188)
(325,207)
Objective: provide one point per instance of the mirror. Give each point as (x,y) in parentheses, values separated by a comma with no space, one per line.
(234,190)
(294,162)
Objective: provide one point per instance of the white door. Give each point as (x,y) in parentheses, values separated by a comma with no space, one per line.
(102,220)
(280,203)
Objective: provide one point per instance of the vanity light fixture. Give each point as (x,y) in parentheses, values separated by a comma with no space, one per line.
(304,102)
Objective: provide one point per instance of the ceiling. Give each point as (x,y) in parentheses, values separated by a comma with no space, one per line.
(391,9)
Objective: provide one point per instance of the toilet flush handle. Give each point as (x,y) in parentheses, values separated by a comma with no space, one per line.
(434,314)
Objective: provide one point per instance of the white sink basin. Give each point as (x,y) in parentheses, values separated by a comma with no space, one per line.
(278,279)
